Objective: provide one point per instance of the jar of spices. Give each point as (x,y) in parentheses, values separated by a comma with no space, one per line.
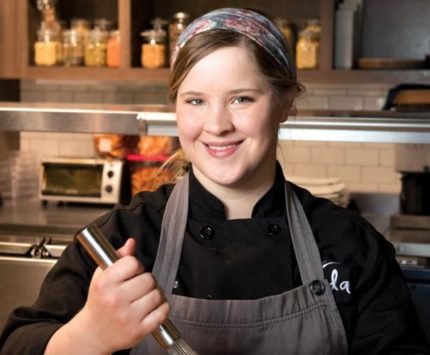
(47,48)
(95,48)
(153,49)
(113,50)
(176,27)
(73,48)
(287,30)
(307,50)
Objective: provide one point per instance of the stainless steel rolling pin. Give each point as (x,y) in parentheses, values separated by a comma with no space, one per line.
(104,255)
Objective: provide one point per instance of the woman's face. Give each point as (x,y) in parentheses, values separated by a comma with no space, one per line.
(228,118)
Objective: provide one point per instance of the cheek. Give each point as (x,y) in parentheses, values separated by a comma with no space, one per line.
(187,123)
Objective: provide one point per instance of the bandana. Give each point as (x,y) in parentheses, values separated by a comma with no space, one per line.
(247,22)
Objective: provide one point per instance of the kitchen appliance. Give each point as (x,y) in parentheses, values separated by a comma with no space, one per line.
(102,252)
(100,181)
(410,228)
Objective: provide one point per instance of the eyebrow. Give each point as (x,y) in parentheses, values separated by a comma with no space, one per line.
(235,91)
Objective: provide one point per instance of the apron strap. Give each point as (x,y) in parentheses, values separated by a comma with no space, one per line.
(170,245)
(304,244)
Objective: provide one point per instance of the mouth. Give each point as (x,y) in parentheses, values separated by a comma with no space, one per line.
(222,150)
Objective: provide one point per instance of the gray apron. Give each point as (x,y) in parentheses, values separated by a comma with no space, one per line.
(304,320)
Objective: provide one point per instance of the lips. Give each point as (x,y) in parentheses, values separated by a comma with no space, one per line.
(222,150)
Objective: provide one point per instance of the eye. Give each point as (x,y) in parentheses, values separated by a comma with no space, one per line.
(195,102)
(242,99)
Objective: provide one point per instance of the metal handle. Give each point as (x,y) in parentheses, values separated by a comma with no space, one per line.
(104,255)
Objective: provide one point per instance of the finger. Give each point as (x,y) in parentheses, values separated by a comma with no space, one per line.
(129,248)
(155,318)
(124,269)
(139,286)
(149,303)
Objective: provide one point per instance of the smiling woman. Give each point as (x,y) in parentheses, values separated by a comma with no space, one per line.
(237,250)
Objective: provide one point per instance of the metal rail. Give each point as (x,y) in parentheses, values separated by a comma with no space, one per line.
(340,126)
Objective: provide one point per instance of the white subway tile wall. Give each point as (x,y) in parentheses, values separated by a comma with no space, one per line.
(364,167)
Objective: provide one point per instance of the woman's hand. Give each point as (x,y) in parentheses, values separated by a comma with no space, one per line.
(124,305)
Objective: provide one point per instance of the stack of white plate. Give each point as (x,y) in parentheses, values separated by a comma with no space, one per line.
(330,188)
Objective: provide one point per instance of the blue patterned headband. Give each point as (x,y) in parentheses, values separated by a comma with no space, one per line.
(247,22)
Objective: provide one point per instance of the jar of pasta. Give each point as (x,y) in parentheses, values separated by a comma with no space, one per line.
(153,49)
(176,27)
(307,50)
(308,45)
(95,48)
(113,50)
(73,48)
(47,48)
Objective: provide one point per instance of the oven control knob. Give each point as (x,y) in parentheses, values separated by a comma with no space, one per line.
(110,173)
(108,188)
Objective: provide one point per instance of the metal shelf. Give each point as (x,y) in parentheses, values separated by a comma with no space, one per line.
(340,126)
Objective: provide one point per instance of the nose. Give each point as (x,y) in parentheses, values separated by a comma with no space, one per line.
(219,120)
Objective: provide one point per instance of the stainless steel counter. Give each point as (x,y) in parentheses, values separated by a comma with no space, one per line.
(317,125)
(30,217)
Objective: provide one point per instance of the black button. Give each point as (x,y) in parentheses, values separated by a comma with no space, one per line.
(207,233)
(317,287)
(110,174)
(274,229)
(108,188)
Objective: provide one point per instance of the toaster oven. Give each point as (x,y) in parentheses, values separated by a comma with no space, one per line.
(81,180)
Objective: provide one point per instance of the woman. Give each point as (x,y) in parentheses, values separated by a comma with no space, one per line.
(249,263)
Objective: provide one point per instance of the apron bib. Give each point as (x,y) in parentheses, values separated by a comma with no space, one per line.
(304,320)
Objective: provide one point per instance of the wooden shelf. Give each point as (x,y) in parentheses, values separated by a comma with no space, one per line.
(359,76)
(85,73)
(391,77)
(19,18)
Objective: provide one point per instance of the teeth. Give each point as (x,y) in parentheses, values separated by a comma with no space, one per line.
(223,147)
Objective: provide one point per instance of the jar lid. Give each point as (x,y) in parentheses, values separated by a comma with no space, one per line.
(72,33)
(158,23)
(181,15)
(79,23)
(157,35)
(313,22)
(281,22)
(98,34)
(103,23)
(48,34)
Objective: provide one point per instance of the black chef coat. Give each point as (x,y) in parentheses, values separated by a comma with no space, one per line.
(241,259)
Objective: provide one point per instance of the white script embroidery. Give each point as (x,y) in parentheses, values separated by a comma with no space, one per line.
(343,286)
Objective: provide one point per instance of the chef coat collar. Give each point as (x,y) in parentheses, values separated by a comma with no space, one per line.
(203,203)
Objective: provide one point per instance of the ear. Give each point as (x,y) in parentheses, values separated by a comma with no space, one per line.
(286,106)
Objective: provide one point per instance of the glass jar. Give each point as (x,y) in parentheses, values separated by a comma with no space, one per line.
(314,25)
(73,48)
(47,48)
(95,48)
(113,50)
(103,24)
(153,49)
(176,27)
(82,26)
(287,30)
(307,50)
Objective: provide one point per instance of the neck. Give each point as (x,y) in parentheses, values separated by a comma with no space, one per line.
(240,199)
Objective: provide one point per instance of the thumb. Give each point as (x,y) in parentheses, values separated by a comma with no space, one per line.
(129,248)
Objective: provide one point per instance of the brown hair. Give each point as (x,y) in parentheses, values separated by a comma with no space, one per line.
(281,78)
